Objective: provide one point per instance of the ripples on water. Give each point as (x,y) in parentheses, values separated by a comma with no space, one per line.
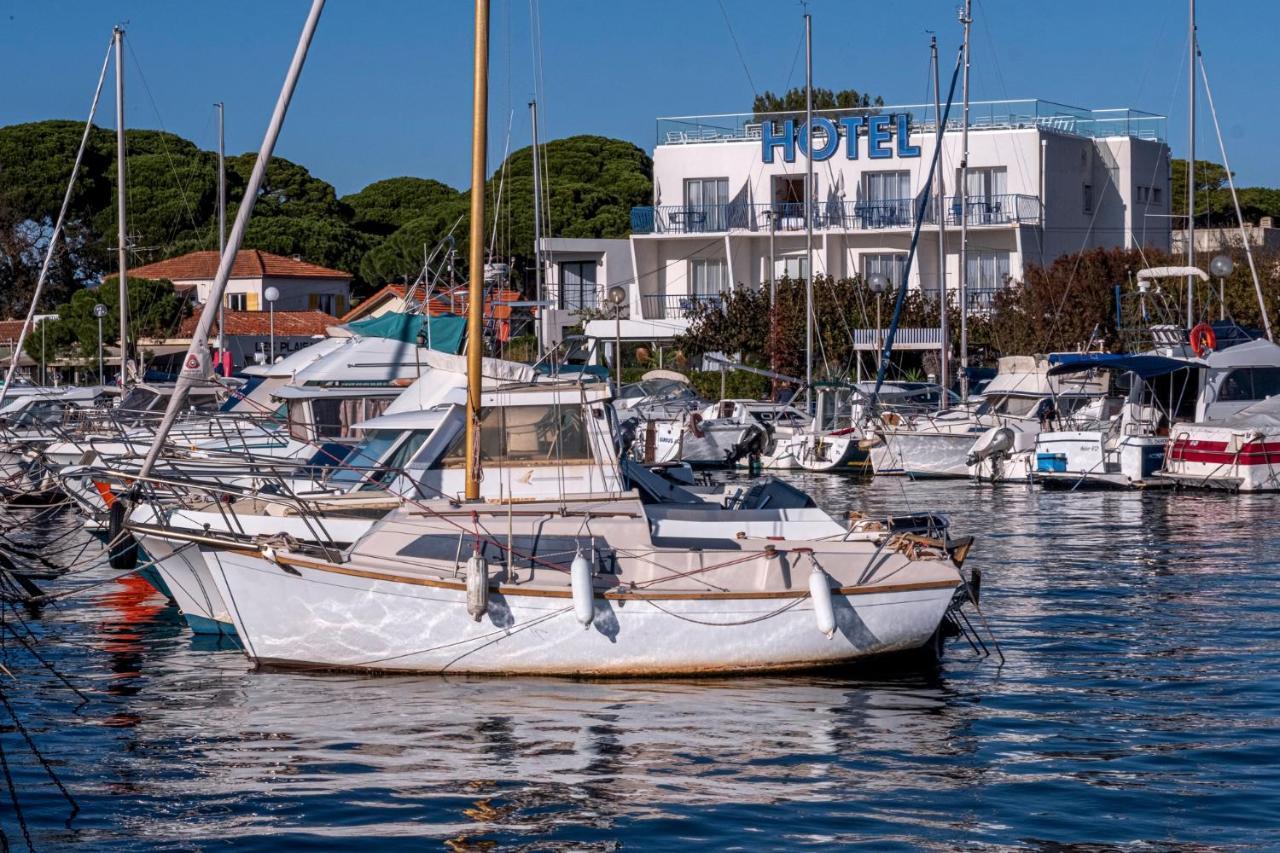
(1138,706)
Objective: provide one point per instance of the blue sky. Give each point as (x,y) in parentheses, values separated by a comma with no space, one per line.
(386,90)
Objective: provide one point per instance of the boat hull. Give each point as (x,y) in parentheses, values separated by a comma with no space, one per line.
(338,618)
(927,453)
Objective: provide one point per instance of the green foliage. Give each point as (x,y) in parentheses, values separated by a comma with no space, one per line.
(377,234)
(592,182)
(745,325)
(384,206)
(793,101)
(1213,196)
(155,310)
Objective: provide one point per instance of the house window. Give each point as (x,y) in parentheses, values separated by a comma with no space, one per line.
(986,271)
(708,277)
(326,302)
(1087,193)
(1155,196)
(886,199)
(892,266)
(795,267)
(577,285)
(237,302)
(705,204)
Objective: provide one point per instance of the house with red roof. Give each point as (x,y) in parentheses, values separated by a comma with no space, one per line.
(301,286)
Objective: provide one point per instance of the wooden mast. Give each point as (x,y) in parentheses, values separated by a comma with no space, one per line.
(475,292)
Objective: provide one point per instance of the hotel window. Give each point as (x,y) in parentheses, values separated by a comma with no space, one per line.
(707,277)
(986,271)
(794,268)
(788,201)
(892,266)
(886,200)
(577,285)
(985,194)
(237,302)
(705,203)
(1087,194)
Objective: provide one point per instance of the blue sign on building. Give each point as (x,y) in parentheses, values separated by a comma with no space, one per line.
(881,132)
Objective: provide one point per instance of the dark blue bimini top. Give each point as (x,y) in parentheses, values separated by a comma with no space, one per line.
(1145,366)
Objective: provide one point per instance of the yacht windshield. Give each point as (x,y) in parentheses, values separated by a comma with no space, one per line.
(366,455)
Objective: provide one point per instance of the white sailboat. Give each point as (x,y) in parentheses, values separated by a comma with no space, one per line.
(593,582)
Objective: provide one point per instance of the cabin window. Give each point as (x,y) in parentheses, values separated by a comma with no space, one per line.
(527,435)
(138,400)
(398,460)
(1250,383)
(332,417)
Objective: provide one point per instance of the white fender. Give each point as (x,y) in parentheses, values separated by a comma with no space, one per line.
(477,586)
(820,592)
(584,606)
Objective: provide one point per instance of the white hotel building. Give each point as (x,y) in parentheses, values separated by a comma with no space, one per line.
(1045,180)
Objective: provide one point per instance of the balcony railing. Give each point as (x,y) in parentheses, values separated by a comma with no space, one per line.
(1006,209)
(664,306)
(983,115)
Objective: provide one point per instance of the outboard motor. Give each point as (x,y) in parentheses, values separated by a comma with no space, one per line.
(994,442)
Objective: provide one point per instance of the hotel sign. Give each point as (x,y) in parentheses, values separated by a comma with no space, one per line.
(887,135)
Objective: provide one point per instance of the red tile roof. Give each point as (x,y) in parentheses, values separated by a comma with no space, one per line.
(446,302)
(250,263)
(296,324)
(10,329)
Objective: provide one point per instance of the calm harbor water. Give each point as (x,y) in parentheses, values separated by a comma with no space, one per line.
(1138,706)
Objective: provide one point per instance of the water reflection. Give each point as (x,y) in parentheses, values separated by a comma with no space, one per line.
(1130,710)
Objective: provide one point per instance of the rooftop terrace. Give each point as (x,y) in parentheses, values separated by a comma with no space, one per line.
(983,115)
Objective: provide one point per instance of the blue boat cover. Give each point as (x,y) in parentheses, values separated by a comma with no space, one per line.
(447,330)
(1145,366)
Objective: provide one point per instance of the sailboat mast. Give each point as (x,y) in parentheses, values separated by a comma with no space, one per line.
(1191,166)
(52,247)
(963,192)
(944,368)
(194,364)
(122,248)
(808,210)
(537,225)
(222,227)
(475,292)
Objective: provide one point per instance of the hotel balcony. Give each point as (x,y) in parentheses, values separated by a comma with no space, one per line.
(1009,209)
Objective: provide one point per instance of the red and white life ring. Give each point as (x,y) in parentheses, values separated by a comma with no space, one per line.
(1203,340)
(695,425)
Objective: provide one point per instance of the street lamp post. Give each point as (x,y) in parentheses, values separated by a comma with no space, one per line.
(617,295)
(272,295)
(1222,266)
(100,311)
(878,283)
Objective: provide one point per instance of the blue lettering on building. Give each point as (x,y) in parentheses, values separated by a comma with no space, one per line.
(881,130)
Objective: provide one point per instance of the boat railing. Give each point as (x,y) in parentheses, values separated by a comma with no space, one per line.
(176,490)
